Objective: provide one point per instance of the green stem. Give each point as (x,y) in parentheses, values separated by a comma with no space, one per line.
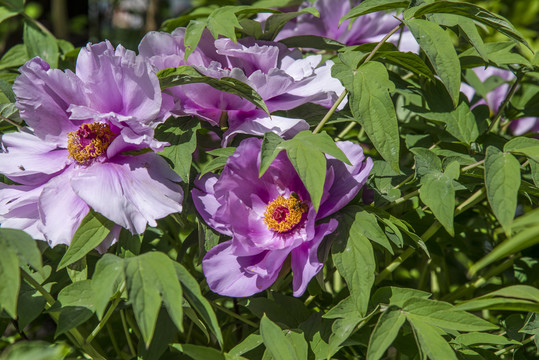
(474,165)
(74,335)
(405,181)
(108,314)
(468,203)
(127,336)
(401,199)
(509,348)
(508,97)
(471,286)
(346,130)
(117,349)
(345,92)
(236,316)
(8,120)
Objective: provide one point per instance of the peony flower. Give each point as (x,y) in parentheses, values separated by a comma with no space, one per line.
(281,76)
(271,218)
(364,29)
(89,144)
(495,97)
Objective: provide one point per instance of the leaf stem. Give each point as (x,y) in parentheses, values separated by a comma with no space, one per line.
(501,109)
(346,130)
(108,314)
(465,205)
(127,336)
(474,165)
(234,315)
(345,92)
(509,348)
(401,199)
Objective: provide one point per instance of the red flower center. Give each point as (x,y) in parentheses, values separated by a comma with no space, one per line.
(89,141)
(283,214)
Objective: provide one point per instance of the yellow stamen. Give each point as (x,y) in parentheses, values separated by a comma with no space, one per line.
(89,141)
(283,214)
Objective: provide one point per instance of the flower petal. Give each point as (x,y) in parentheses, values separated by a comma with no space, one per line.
(231,275)
(284,127)
(130,190)
(207,204)
(19,210)
(305,264)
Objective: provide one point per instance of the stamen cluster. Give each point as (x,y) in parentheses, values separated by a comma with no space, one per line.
(283,214)
(89,141)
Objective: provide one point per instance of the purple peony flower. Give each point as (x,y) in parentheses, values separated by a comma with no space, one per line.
(270,218)
(364,29)
(495,97)
(281,76)
(73,155)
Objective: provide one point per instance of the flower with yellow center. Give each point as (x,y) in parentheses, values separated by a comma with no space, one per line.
(283,214)
(89,141)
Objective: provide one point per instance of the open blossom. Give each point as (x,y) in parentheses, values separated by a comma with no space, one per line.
(495,97)
(271,218)
(73,154)
(364,29)
(281,76)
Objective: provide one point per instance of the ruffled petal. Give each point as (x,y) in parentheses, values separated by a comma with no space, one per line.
(305,264)
(239,276)
(132,191)
(207,204)
(43,97)
(258,126)
(19,210)
(29,160)
(61,209)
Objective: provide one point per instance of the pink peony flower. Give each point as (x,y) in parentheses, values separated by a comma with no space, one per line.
(271,218)
(73,155)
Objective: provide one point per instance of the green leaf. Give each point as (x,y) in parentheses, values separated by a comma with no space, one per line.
(249,343)
(185,74)
(36,350)
(276,22)
(91,232)
(11,282)
(426,161)
(191,290)
(406,60)
(108,275)
(23,246)
(476,338)
(438,193)
(323,142)
(534,166)
(5,87)
(372,106)
(523,146)
(471,11)
(13,5)
(370,6)
(470,32)
(40,44)
(223,21)
(199,352)
(437,45)
(385,332)
(180,133)
(368,226)
(29,305)
(502,180)
(391,295)
(269,151)
(78,270)
(193,33)
(275,341)
(150,278)
(354,258)
(312,42)
(430,340)
(77,306)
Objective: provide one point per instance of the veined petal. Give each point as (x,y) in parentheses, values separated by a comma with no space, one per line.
(207,204)
(231,275)
(19,210)
(305,264)
(132,191)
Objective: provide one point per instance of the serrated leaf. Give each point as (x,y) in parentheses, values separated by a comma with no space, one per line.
(372,106)
(437,45)
(108,275)
(370,6)
(354,258)
(185,74)
(430,340)
(502,180)
(191,290)
(385,332)
(11,282)
(438,193)
(522,145)
(91,232)
(473,12)
(39,43)
(275,341)
(151,277)
(181,135)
